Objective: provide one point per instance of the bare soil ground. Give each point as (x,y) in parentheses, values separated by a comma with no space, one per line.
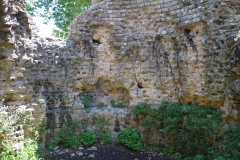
(102,152)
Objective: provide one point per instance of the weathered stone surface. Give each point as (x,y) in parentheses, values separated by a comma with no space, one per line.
(161,50)
(127,51)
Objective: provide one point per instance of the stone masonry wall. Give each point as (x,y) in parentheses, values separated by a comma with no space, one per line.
(128,51)
(181,51)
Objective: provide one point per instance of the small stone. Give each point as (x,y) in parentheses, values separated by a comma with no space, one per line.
(80,153)
(177,154)
(80,148)
(61,152)
(73,154)
(160,154)
(91,156)
(56,148)
(67,150)
(93,148)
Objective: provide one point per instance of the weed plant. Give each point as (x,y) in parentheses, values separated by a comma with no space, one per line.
(106,138)
(142,108)
(87,138)
(29,151)
(86,101)
(233,141)
(131,138)
(117,105)
(67,136)
(191,127)
(101,105)
(9,120)
(102,131)
(72,136)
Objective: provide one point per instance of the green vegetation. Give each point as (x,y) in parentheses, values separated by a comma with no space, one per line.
(102,131)
(233,141)
(67,136)
(87,138)
(191,127)
(170,152)
(131,138)
(61,11)
(197,157)
(117,105)
(42,125)
(52,144)
(105,138)
(29,151)
(102,105)
(72,136)
(9,120)
(142,108)
(86,101)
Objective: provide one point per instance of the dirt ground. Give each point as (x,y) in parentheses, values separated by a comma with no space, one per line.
(102,152)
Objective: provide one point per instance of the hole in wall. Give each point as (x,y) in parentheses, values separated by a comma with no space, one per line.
(218,22)
(186,4)
(139,85)
(96,41)
(187,32)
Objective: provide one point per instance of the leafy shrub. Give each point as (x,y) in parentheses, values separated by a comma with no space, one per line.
(86,101)
(168,151)
(233,141)
(29,151)
(157,149)
(67,136)
(130,138)
(68,140)
(106,138)
(42,125)
(216,155)
(101,124)
(87,138)
(102,105)
(191,127)
(52,144)
(9,119)
(142,108)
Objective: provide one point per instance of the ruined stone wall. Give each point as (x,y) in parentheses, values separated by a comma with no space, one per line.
(181,51)
(127,51)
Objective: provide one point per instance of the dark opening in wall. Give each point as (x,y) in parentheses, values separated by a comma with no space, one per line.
(187,32)
(139,85)
(96,41)
(2,57)
(218,22)
(185,4)
(191,41)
